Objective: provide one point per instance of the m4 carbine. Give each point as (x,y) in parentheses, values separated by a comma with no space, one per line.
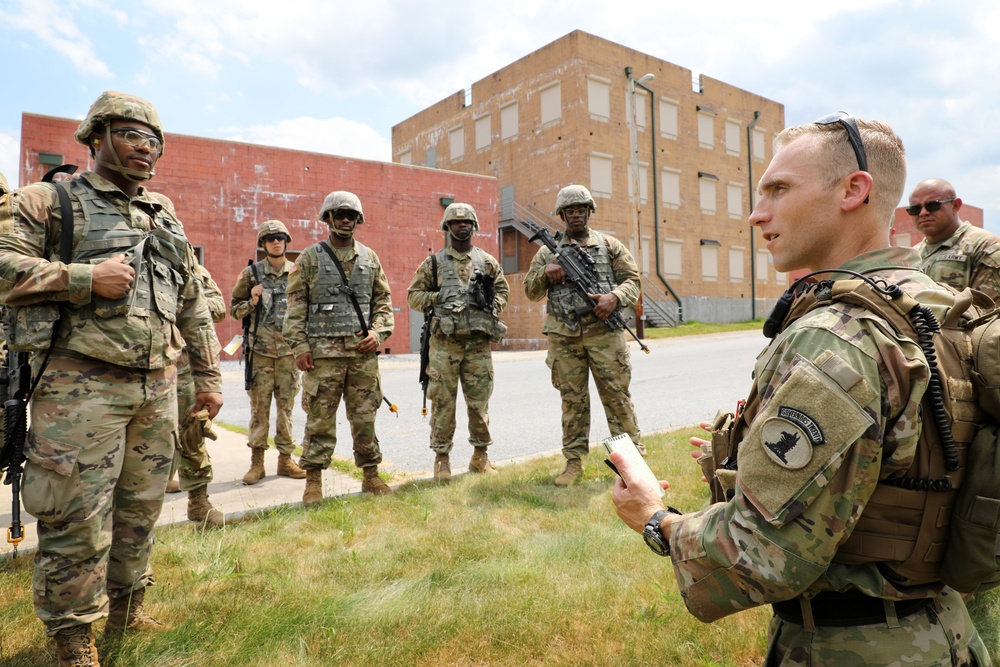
(579,268)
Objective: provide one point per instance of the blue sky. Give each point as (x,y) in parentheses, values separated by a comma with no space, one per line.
(335,76)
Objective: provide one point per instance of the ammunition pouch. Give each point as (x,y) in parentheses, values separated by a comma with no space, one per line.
(32,328)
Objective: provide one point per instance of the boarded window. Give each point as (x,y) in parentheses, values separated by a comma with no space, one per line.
(551,103)
(762,262)
(432,156)
(600,175)
(732,137)
(710,262)
(672,257)
(706,189)
(508,122)
(668,118)
(641,102)
(706,130)
(456,143)
(671,181)
(736,265)
(483,136)
(734,195)
(406,158)
(758,145)
(599,99)
(643,183)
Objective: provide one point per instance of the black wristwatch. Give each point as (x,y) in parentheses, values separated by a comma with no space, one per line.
(652,535)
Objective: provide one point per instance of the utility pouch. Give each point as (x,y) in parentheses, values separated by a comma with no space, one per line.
(499,331)
(972,560)
(32,328)
(719,462)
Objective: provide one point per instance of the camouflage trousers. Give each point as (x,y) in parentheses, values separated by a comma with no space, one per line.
(941,634)
(99,451)
(606,357)
(277,377)
(357,381)
(193,466)
(452,360)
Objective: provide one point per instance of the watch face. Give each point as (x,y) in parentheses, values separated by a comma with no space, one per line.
(654,540)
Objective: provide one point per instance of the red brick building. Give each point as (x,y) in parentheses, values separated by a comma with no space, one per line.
(564,114)
(222,190)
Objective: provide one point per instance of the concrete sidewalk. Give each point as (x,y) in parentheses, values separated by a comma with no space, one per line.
(230,460)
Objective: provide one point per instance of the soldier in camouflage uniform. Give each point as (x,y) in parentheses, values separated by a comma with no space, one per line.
(582,344)
(4,189)
(453,283)
(330,346)
(191,457)
(953,252)
(104,415)
(845,391)
(260,294)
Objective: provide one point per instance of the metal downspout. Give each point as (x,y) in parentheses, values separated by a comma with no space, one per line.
(753,253)
(656,205)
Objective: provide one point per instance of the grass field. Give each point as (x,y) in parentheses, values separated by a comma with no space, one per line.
(499,570)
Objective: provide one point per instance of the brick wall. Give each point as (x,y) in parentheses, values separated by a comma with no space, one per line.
(223,190)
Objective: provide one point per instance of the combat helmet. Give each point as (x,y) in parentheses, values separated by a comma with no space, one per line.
(458,211)
(269,227)
(341,199)
(111,105)
(572,195)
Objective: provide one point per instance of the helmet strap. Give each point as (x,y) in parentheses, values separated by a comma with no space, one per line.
(133,175)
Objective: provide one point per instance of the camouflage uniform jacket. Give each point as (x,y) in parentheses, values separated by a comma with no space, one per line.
(626,277)
(304,277)
(968,258)
(843,392)
(424,291)
(213,295)
(30,224)
(269,341)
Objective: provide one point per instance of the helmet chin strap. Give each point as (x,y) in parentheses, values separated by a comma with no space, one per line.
(133,175)
(342,233)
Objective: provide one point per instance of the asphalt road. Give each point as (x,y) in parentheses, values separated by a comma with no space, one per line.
(682,381)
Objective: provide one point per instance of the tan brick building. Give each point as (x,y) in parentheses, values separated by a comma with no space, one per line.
(564,114)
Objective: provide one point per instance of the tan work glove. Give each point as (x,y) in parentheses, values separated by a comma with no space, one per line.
(195,430)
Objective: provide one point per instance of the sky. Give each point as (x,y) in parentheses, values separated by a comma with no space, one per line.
(334,76)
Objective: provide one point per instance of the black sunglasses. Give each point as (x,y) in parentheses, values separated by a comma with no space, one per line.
(931,206)
(345,214)
(273,237)
(853,135)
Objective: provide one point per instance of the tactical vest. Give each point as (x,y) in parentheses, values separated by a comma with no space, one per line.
(158,257)
(331,313)
(565,301)
(905,525)
(275,285)
(455,314)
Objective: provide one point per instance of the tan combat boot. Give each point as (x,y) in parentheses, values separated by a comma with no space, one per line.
(173,486)
(200,510)
(574,469)
(288,468)
(481,463)
(373,484)
(76,647)
(127,615)
(256,472)
(442,467)
(314,486)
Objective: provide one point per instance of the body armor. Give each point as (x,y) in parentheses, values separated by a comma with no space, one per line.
(457,314)
(565,301)
(905,525)
(331,313)
(275,286)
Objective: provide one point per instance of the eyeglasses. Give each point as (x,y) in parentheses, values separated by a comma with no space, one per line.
(345,214)
(575,210)
(931,206)
(273,237)
(138,139)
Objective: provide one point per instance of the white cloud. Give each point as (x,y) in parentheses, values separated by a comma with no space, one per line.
(337,136)
(53,24)
(10,154)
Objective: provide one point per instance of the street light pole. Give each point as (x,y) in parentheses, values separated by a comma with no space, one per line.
(634,186)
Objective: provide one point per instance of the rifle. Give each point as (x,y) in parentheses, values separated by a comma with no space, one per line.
(15,389)
(425,341)
(247,345)
(578,265)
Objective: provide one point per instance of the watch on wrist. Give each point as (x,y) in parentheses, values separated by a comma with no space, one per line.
(654,539)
